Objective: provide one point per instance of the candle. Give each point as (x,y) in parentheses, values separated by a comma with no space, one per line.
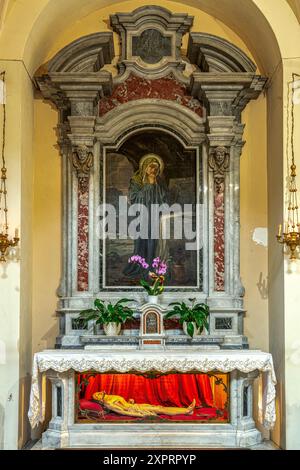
(16,233)
(279,230)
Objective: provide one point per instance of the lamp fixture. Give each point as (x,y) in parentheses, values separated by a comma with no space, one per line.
(289,232)
(5,241)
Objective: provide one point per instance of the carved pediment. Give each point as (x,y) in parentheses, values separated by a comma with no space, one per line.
(86,54)
(214,54)
(151,36)
(73,77)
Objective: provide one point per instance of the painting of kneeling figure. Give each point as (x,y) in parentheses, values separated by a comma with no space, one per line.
(153,396)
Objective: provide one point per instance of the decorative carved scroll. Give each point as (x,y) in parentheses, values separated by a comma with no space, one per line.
(83,240)
(82,160)
(219,163)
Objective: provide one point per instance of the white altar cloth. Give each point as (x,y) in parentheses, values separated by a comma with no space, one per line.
(142,361)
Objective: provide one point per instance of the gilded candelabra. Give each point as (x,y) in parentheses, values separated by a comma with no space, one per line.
(5,241)
(290,235)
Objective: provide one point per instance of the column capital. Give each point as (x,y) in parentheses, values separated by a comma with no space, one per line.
(221,131)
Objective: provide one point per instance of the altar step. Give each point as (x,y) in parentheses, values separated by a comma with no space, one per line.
(171,342)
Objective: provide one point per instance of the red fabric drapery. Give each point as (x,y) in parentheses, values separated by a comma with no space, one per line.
(167,390)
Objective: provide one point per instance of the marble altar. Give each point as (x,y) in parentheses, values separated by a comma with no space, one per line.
(63,431)
(194,100)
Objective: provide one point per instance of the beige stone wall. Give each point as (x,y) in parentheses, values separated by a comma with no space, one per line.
(16,275)
(254,223)
(46,226)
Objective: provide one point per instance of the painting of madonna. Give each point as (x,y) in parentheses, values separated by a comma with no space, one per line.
(147,187)
(150,170)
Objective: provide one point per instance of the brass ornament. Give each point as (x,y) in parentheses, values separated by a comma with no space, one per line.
(5,241)
(289,232)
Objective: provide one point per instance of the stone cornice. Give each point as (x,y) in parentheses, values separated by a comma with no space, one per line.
(148,15)
(65,88)
(226,93)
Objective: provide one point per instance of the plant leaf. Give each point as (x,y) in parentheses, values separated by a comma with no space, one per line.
(123,301)
(190,329)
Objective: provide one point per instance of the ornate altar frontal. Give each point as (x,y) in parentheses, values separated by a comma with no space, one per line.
(163,132)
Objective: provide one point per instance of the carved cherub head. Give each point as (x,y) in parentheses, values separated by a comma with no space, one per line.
(220,155)
(82,152)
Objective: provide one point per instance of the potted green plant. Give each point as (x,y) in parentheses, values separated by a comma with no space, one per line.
(194,318)
(111,316)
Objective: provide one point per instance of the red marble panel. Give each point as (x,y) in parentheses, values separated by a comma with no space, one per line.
(83,239)
(135,88)
(219,235)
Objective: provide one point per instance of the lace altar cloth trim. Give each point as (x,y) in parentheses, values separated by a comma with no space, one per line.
(143,361)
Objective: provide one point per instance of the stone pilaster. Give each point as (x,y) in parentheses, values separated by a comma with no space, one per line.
(218,163)
(75,83)
(225,96)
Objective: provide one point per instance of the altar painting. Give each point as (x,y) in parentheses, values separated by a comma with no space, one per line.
(155,397)
(152,168)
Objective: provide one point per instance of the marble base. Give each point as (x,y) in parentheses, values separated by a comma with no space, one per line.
(264,445)
(229,338)
(167,436)
(63,431)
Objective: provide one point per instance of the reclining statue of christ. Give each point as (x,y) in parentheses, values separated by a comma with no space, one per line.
(119,405)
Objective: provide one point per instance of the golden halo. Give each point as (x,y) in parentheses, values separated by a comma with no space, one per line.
(156,157)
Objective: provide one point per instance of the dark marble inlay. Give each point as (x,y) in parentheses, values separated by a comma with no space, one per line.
(246,401)
(78,324)
(223,323)
(59,401)
(151,46)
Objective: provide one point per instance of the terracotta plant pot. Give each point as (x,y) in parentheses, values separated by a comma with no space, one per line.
(112,329)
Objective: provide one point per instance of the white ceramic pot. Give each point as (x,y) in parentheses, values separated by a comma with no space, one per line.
(112,329)
(196,330)
(153,299)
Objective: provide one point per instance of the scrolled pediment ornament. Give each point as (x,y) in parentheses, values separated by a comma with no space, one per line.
(219,162)
(82,161)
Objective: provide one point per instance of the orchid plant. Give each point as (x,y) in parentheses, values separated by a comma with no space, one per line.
(157,272)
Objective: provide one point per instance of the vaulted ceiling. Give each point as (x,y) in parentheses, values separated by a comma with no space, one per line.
(6,6)
(295,6)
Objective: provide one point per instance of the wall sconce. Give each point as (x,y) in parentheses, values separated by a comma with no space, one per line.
(5,241)
(289,231)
